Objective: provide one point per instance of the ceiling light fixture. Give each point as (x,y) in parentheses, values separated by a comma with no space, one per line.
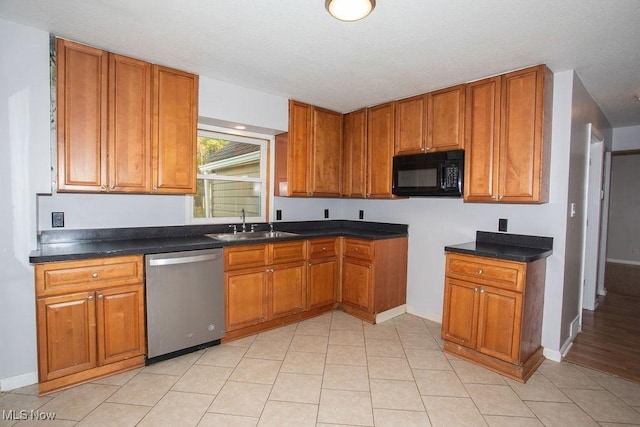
(349,10)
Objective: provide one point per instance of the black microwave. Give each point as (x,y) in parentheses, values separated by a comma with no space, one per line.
(429,174)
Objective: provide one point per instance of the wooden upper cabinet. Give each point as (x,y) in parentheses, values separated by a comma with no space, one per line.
(354,157)
(445,122)
(482,135)
(524,141)
(129,142)
(174,125)
(430,122)
(411,125)
(326,153)
(508,137)
(81,94)
(314,153)
(298,149)
(123,125)
(380,148)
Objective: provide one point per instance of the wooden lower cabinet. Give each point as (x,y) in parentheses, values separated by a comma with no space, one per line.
(492,313)
(374,276)
(265,284)
(94,331)
(287,289)
(245,298)
(302,279)
(323,273)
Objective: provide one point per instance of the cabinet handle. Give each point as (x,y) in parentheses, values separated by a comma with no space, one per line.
(90,298)
(100,296)
(310,264)
(155,188)
(356,249)
(475,289)
(482,291)
(324,249)
(94,275)
(113,187)
(103,187)
(480,271)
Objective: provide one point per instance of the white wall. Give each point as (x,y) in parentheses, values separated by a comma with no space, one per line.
(24,171)
(583,111)
(623,241)
(627,138)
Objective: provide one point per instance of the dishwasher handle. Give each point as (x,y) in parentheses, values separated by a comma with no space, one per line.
(183,260)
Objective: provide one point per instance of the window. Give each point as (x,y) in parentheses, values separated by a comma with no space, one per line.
(232,175)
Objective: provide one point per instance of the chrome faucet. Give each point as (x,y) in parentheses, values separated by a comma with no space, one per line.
(243,217)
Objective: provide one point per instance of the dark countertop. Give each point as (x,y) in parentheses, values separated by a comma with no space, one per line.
(512,247)
(66,245)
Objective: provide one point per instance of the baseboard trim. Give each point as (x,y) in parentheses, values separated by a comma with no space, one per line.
(622,261)
(12,383)
(391,313)
(429,316)
(553,355)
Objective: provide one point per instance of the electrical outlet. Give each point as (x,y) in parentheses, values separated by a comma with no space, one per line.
(326,213)
(502,224)
(361,214)
(278,215)
(57,219)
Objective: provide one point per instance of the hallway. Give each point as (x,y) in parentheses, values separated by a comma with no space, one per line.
(610,338)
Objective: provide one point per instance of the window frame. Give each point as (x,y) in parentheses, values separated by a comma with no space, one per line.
(265,142)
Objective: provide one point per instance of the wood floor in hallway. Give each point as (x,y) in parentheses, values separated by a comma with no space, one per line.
(610,338)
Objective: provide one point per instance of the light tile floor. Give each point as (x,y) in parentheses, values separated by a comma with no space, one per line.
(334,370)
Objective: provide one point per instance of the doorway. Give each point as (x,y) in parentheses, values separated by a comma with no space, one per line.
(610,337)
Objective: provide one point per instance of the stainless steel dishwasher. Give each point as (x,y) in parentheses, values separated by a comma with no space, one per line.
(184,301)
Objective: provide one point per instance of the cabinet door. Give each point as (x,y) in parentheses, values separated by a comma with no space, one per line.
(120,320)
(499,322)
(411,125)
(357,284)
(323,281)
(380,137)
(298,149)
(460,312)
(446,119)
(521,135)
(245,300)
(355,154)
(287,290)
(174,126)
(81,117)
(482,132)
(326,153)
(66,335)
(129,125)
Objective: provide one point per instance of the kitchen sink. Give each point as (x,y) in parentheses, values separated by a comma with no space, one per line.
(250,235)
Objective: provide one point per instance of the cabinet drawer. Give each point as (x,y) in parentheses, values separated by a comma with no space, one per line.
(67,276)
(323,248)
(355,248)
(245,257)
(498,273)
(288,252)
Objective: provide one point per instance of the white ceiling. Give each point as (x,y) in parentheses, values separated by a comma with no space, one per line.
(293,48)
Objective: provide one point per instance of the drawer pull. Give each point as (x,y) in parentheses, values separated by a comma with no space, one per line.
(480,271)
(324,249)
(482,291)
(90,298)
(94,275)
(475,289)
(356,249)
(100,296)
